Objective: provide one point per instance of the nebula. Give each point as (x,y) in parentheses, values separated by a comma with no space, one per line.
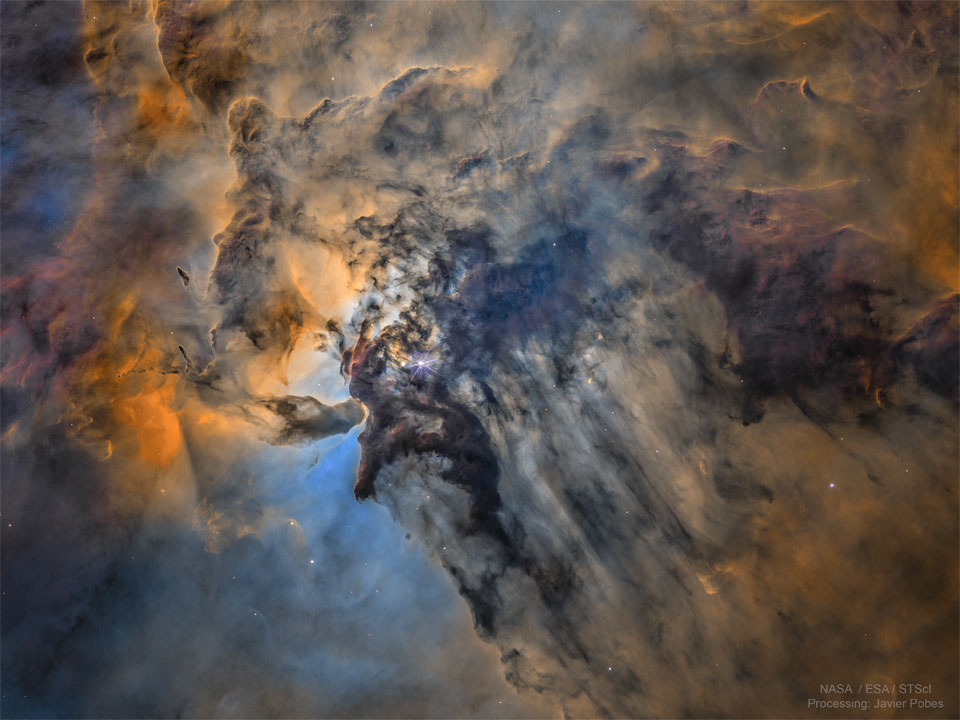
(437,359)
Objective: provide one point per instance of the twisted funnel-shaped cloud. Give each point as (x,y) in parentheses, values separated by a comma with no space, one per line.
(644,318)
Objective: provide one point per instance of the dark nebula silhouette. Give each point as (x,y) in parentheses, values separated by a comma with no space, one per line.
(633,328)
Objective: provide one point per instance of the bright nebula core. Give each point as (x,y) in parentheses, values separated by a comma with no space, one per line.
(479,359)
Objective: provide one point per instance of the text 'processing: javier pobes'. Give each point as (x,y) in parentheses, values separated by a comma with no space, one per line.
(435,359)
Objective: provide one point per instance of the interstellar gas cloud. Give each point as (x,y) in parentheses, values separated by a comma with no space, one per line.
(435,359)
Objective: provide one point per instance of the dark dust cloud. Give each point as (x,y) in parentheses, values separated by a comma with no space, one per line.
(632,327)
